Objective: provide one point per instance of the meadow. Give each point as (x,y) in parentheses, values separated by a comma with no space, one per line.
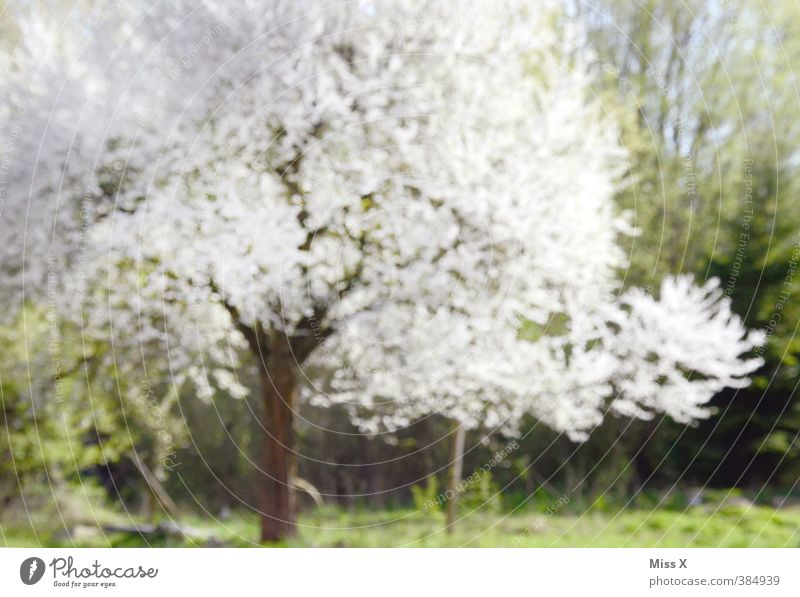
(735,524)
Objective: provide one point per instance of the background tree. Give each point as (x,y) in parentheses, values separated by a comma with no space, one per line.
(700,90)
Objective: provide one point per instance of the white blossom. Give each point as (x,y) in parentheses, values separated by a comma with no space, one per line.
(397,186)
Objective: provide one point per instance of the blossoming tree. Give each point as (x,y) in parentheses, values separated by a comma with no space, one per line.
(389,189)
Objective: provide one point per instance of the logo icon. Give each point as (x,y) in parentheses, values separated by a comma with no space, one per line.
(31,571)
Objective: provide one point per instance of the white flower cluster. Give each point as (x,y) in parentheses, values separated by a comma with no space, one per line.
(411,181)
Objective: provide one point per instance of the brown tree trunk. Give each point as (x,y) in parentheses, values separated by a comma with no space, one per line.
(456,472)
(279,391)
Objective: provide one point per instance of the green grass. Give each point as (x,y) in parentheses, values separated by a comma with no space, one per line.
(702,526)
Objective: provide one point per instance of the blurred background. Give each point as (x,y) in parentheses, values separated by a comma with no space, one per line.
(706,100)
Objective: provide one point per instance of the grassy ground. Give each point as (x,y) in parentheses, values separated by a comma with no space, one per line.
(701,526)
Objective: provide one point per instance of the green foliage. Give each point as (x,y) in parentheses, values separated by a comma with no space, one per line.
(482,495)
(711,525)
(426,497)
(715,191)
(80,413)
(44,429)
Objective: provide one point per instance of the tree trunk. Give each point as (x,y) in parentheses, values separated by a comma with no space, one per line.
(157,490)
(456,472)
(279,391)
